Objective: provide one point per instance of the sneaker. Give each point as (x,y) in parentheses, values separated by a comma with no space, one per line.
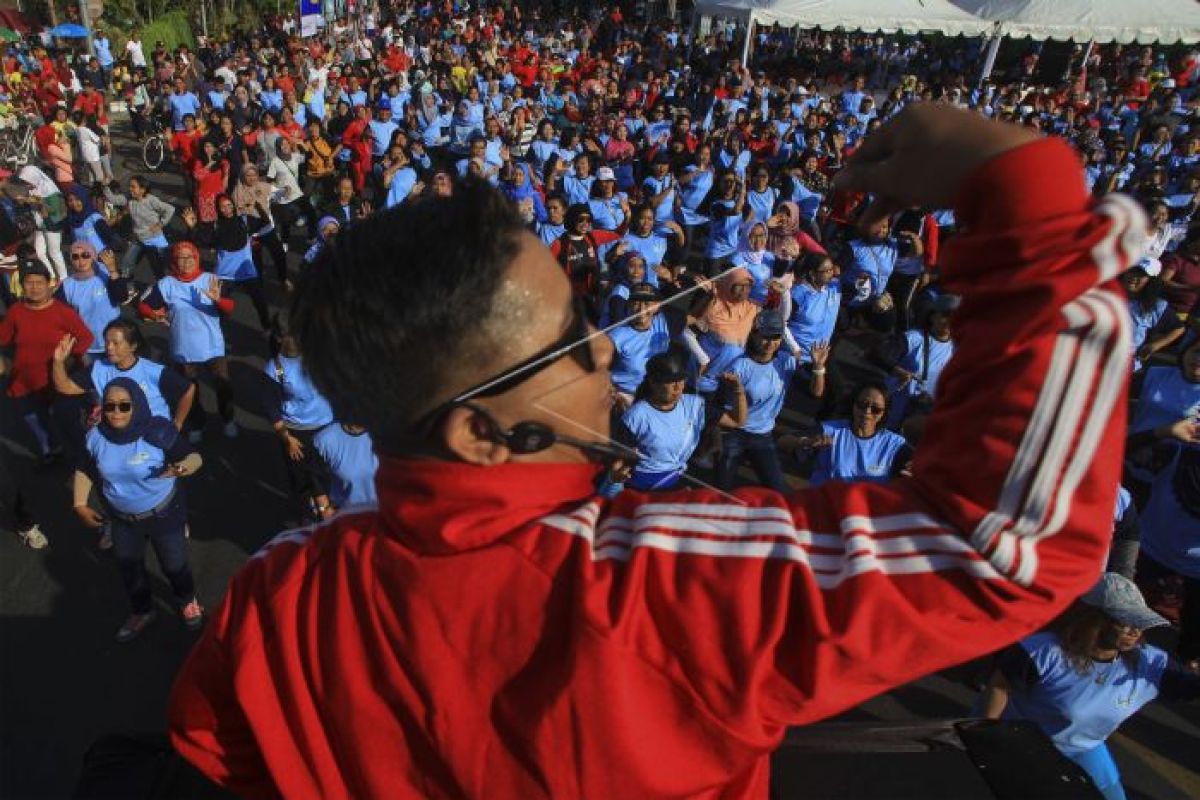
(192,614)
(105,542)
(34,538)
(134,626)
(195,437)
(288,286)
(231,430)
(187,531)
(285,247)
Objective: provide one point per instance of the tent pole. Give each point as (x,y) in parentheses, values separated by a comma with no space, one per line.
(746,44)
(990,61)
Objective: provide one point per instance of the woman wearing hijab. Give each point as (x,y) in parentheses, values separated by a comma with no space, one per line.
(724,325)
(50,216)
(628,271)
(136,459)
(85,223)
(1087,674)
(252,201)
(327,228)
(95,291)
(236,261)
(190,301)
(753,256)
(55,150)
(517,186)
(786,237)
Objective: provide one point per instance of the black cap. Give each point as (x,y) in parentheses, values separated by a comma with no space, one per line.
(643,292)
(769,323)
(665,368)
(662,158)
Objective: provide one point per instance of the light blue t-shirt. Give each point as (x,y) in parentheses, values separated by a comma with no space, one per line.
(86,232)
(692,194)
(181,106)
(914,361)
(352,465)
(89,297)
(633,348)
(401,186)
(664,211)
(762,204)
(1170,535)
(766,387)
(195,324)
(873,260)
(1166,398)
(652,248)
(1144,320)
(128,473)
(666,439)
(814,315)
(236,265)
(1079,712)
(145,373)
(303,406)
(850,458)
(577,190)
(723,232)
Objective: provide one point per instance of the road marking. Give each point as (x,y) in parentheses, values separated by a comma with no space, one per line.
(1179,776)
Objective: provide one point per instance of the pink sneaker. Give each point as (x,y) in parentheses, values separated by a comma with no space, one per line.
(192,614)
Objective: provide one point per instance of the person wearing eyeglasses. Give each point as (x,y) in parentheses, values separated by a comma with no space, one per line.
(580,251)
(857,449)
(672,638)
(135,460)
(1087,674)
(96,294)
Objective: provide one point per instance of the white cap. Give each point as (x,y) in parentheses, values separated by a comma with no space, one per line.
(1150,266)
(605,174)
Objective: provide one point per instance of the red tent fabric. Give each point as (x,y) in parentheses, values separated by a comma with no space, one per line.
(15,20)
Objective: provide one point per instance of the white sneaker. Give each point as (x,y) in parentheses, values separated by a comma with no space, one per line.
(195,437)
(34,538)
(231,430)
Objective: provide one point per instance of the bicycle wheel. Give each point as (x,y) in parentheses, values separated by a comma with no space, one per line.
(153,152)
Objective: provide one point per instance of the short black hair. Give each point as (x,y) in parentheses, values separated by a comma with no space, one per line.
(398,304)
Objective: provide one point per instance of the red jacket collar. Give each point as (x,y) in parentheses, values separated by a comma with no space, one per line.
(443,507)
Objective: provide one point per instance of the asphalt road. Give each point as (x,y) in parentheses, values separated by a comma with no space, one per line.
(65,682)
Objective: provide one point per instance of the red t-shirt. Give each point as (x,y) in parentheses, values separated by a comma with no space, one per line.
(35,334)
(1187,272)
(185,145)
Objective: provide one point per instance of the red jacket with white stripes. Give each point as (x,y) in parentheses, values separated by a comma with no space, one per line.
(501,632)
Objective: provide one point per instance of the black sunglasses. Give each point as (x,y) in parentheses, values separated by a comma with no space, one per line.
(123,406)
(870,408)
(80,257)
(575,342)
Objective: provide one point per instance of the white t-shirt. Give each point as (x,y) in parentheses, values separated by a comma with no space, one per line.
(285,175)
(136,54)
(89,143)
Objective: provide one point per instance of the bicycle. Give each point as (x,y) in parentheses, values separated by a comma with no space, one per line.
(16,143)
(154,149)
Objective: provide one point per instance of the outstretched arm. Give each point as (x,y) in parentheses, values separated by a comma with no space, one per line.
(816,601)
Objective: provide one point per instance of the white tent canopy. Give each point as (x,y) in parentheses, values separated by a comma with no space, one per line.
(1144,21)
(885,16)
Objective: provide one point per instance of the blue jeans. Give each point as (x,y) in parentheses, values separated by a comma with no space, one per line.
(157,256)
(165,530)
(759,448)
(1099,765)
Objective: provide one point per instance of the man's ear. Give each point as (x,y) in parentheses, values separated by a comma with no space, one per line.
(472,437)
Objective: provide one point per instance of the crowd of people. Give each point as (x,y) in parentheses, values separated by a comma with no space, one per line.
(689,199)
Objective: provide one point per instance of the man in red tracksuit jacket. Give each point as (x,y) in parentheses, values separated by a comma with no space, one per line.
(495,629)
